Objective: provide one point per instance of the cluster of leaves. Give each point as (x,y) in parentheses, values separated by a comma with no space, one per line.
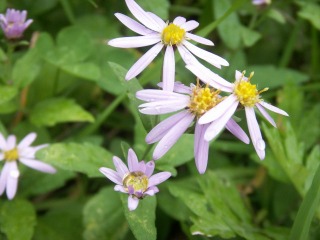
(68,86)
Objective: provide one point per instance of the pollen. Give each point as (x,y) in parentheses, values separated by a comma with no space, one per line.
(137,180)
(11,155)
(173,35)
(203,99)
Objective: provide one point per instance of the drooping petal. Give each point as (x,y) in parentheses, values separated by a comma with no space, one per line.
(163,107)
(237,131)
(3,143)
(142,16)
(211,58)
(133,203)
(149,168)
(158,178)
(12,180)
(144,61)
(27,140)
(172,136)
(189,25)
(152,95)
(273,108)
(134,42)
(168,72)
(266,115)
(120,166)
(201,148)
(216,127)
(133,25)
(11,142)
(119,188)
(199,39)
(38,165)
(164,126)
(111,175)
(133,162)
(217,111)
(255,132)
(179,21)
(3,177)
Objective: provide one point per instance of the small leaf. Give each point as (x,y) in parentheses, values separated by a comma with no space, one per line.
(276,15)
(58,110)
(311,12)
(7,93)
(249,36)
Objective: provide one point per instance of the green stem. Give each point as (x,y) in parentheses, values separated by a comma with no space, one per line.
(68,10)
(8,67)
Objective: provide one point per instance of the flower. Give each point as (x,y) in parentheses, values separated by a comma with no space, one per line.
(261,2)
(14,23)
(154,31)
(244,93)
(137,181)
(11,153)
(193,101)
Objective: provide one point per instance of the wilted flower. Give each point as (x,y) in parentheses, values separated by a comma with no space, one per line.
(156,32)
(11,153)
(137,181)
(14,23)
(194,101)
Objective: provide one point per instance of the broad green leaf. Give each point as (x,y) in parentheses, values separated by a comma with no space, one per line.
(7,93)
(17,219)
(103,216)
(58,110)
(142,220)
(311,12)
(85,157)
(8,107)
(159,7)
(88,71)
(249,37)
(276,15)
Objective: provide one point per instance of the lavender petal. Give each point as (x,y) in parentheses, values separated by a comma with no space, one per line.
(158,178)
(111,175)
(201,148)
(132,203)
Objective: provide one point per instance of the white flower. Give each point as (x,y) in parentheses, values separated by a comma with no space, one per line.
(155,31)
(261,2)
(11,153)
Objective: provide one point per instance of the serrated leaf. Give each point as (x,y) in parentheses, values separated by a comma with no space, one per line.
(17,219)
(58,110)
(85,157)
(7,93)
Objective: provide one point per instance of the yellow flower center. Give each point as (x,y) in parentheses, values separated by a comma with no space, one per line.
(173,35)
(247,93)
(11,155)
(137,180)
(203,99)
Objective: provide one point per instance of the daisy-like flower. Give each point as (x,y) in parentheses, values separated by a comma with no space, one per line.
(14,23)
(137,180)
(243,92)
(191,102)
(11,154)
(154,31)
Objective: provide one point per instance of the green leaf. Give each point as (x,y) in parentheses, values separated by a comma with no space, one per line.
(88,71)
(159,7)
(103,216)
(7,93)
(311,12)
(276,15)
(58,110)
(142,220)
(249,36)
(85,157)
(17,219)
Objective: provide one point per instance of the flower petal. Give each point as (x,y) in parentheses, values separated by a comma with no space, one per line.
(162,107)
(168,72)
(3,177)
(133,25)
(201,147)
(164,126)
(149,168)
(151,191)
(120,166)
(27,140)
(189,25)
(186,56)
(133,162)
(255,132)
(179,21)
(38,165)
(144,61)
(158,178)
(217,111)
(152,95)
(199,39)
(160,22)
(135,42)
(3,143)
(12,180)
(133,203)
(111,175)
(237,131)
(266,115)
(119,188)
(273,108)
(179,88)
(172,136)
(11,142)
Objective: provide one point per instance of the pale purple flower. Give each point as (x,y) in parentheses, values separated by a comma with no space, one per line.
(243,93)
(191,103)
(136,180)
(11,154)
(154,31)
(14,23)
(261,2)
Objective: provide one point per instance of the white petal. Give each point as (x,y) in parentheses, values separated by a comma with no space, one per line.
(238,75)
(3,142)
(134,42)
(133,203)
(179,21)
(168,72)
(172,136)
(163,107)
(163,127)
(186,56)
(179,88)
(273,108)
(144,61)
(3,177)
(133,25)
(211,58)
(120,166)
(199,39)
(142,16)
(160,22)
(133,162)
(201,148)
(266,115)
(152,95)
(237,131)
(190,25)
(217,111)
(111,175)
(37,148)
(38,165)
(12,180)
(216,127)
(255,132)
(27,140)
(119,188)
(11,142)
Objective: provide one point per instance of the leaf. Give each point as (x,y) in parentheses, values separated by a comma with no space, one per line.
(142,220)
(85,157)
(159,7)
(88,71)
(58,110)
(17,219)
(276,15)
(249,36)
(311,12)
(7,93)
(103,216)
